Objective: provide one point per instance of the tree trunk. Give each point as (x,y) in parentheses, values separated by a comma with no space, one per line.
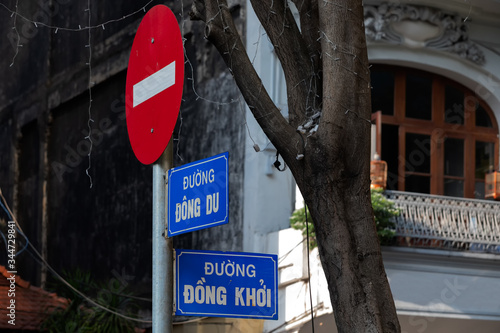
(338,187)
(326,70)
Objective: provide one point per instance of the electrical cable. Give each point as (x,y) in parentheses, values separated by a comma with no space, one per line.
(1,233)
(90,120)
(34,252)
(109,309)
(5,209)
(189,321)
(56,28)
(26,241)
(295,319)
(143,299)
(78,292)
(5,241)
(283,257)
(309,271)
(307,237)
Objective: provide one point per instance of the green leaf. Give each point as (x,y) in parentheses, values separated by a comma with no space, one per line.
(384,213)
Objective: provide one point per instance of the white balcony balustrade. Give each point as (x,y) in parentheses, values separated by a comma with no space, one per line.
(447,222)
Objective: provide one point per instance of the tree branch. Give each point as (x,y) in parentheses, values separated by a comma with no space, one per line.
(221,31)
(309,27)
(300,72)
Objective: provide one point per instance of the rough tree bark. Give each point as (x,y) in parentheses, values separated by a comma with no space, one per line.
(328,84)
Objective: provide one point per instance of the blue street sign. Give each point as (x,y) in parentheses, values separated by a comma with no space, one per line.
(198,195)
(226,284)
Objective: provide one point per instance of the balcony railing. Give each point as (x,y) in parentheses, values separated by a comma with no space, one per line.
(439,221)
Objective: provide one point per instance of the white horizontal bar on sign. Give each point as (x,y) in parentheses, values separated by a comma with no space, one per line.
(154,84)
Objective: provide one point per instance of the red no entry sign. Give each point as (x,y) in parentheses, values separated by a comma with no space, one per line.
(155,78)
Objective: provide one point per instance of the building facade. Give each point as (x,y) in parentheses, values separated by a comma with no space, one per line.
(435,71)
(84,201)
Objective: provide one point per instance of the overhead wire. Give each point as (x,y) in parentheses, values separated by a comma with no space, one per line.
(34,252)
(15,14)
(80,28)
(26,241)
(309,271)
(89,27)
(308,245)
(38,258)
(59,277)
(90,120)
(18,45)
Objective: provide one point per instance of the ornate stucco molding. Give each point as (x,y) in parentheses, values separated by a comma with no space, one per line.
(419,27)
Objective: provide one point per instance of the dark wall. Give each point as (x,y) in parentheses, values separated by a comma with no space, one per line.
(28,194)
(212,122)
(102,223)
(106,225)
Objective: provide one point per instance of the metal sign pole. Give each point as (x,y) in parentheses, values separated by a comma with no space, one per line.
(162,248)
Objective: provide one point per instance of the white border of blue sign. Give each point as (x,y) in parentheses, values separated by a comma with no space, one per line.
(171,188)
(232,311)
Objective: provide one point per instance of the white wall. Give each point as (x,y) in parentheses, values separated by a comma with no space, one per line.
(269,193)
(434,290)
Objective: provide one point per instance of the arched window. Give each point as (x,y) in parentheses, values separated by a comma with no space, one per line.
(436,136)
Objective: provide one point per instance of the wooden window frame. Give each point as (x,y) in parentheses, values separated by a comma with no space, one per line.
(437,128)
